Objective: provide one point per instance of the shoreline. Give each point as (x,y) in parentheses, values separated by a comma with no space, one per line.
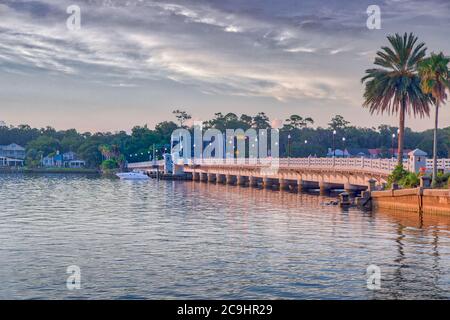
(52,171)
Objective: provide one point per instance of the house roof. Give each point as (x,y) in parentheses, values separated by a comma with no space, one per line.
(375,151)
(417,152)
(356,151)
(12,146)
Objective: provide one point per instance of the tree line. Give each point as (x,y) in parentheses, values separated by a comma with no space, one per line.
(305,140)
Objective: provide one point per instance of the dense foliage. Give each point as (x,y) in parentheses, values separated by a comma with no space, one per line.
(138,145)
(403,178)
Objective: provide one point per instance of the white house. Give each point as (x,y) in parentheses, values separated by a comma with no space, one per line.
(11,155)
(66,160)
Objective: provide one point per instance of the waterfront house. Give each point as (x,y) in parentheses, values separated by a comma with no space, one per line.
(12,150)
(11,155)
(338,153)
(65,160)
(359,152)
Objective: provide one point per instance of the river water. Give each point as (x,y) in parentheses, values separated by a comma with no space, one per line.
(163,239)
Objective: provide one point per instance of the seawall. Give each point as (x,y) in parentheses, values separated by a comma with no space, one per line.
(420,200)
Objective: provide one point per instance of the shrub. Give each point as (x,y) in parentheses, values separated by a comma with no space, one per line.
(109,164)
(411,180)
(442,180)
(403,177)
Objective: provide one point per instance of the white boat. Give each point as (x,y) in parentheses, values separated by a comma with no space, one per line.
(132,176)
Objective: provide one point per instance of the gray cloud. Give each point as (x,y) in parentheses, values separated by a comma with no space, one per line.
(288,50)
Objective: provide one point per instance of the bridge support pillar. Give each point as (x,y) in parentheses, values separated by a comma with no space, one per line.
(220,178)
(211,177)
(196,176)
(203,177)
(324,188)
(284,184)
(230,179)
(241,180)
(351,188)
(300,185)
(267,183)
(252,181)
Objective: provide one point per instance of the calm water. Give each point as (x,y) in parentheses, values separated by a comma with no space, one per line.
(191,240)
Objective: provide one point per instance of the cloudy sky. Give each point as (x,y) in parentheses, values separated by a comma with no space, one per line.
(133,62)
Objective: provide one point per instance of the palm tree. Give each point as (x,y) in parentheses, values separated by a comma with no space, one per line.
(395,87)
(435,81)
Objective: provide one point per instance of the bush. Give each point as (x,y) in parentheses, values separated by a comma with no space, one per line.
(109,164)
(403,178)
(442,180)
(410,181)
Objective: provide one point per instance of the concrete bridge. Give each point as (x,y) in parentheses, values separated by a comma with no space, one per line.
(325,174)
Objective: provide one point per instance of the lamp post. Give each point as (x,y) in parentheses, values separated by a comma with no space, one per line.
(289,148)
(343,145)
(392,145)
(334,147)
(257,149)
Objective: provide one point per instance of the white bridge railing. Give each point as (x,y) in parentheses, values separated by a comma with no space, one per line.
(377,166)
(145,164)
(442,164)
(381,166)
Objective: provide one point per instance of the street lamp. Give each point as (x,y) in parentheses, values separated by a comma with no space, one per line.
(392,144)
(343,145)
(334,148)
(289,147)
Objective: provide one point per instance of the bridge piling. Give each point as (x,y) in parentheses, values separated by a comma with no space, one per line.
(241,180)
(253,181)
(211,177)
(230,179)
(220,178)
(196,176)
(283,184)
(267,182)
(324,188)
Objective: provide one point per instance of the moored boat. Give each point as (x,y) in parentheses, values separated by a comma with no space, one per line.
(132,176)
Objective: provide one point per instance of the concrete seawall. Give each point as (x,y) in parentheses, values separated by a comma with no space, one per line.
(413,200)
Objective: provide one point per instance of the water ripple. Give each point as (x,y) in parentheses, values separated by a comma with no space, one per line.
(161,239)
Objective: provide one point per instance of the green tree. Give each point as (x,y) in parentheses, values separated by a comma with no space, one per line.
(164,130)
(261,121)
(338,123)
(33,158)
(44,144)
(434,75)
(109,164)
(394,88)
(298,122)
(182,116)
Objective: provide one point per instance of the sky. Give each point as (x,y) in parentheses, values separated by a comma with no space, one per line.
(133,62)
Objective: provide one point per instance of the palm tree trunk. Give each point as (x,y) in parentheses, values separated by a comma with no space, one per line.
(401,133)
(435,145)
